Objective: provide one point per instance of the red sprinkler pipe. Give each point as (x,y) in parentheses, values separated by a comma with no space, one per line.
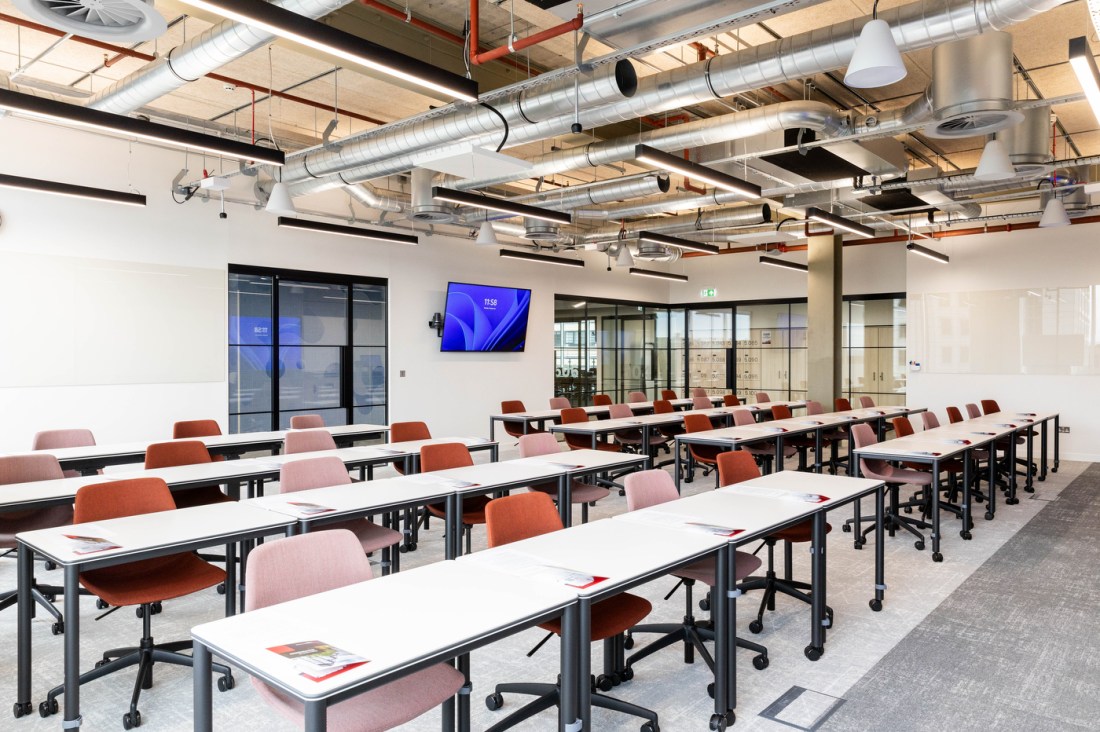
(478,57)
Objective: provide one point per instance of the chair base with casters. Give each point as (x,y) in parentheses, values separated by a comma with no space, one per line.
(893,520)
(772,584)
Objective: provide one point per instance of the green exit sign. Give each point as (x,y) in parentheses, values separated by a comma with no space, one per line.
(708,292)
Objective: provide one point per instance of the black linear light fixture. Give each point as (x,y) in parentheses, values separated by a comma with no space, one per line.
(1084,65)
(463,198)
(784,264)
(658,275)
(73,191)
(930,253)
(542,258)
(673,241)
(676,164)
(325,38)
(341,230)
(839,222)
(71,114)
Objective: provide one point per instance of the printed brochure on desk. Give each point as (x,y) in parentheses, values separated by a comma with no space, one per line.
(318,661)
(81,545)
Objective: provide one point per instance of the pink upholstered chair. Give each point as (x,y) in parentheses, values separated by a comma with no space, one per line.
(701,402)
(637,396)
(308,441)
(697,391)
(632,438)
(972,411)
(764,452)
(323,472)
(307,422)
(545,443)
(308,564)
(762,396)
(559,403)
(653,487)
(866,402)
(57,439)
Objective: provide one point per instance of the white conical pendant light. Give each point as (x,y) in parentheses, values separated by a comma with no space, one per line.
(1054,214)
(625,258)
(994,163)
(876,61)
(280,202)
(486,236)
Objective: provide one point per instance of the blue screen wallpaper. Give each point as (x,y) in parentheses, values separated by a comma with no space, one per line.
(485,318)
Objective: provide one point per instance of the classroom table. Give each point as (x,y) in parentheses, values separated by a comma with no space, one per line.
(143,536)
(463,606)
(1024,422)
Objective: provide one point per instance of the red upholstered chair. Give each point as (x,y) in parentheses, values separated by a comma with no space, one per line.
(637,396)
(842,404)
(515,429)
(601,400)
(654,487)
(990,406)
(526,515)
(31,469)
(575,415)
(141,583)
(763,452)
(57,439)
(762,397)
(445,456)
(731,400)
(972,411)
(407,432)
(668,394)
(307,422)
(737,467)
(585,494)
(322,472)
(190,429)
(297,441)
(954,416)
(559,403)
(300,566)
(705,455)
(184,452)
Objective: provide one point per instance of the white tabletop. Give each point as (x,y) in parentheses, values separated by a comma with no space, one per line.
(413,446)
(25,495)
(394,621)
(485,477)
(574,460)
(535,415)
(135,534)
(354,497)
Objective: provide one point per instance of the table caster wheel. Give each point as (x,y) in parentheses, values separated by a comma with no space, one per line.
(760,662)
(628,642)
(814,653)
(919,544)
(50,566)
(131,719)
(627,674)
(1012,501)
(861,540)
(718,722)
(846,528)
(225,683)
(604,682)
(937,557)
(988,516)
(651,727)
(876,605)
(756,626)
(494,702)
(21,709)
(966,535)
(857,545)
(58,628)
(47,708)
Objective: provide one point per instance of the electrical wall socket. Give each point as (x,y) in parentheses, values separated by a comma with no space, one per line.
(1063,430)
(402,373)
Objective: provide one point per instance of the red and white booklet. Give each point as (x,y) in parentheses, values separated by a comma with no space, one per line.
(89,544)
(318,661)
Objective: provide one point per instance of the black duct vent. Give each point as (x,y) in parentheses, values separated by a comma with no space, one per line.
(547,4)
(897,200)
(818,164)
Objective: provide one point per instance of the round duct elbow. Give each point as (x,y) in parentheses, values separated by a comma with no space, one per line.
(656,252)
(972,87)
(1027,143)
(118,21)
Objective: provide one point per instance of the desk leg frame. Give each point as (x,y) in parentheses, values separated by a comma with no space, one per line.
(72,647)
(880,548)
(818,620)
(201,676)
(25,607)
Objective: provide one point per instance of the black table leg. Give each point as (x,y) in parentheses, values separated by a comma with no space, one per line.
(584,664)
(817,593)
(779,453)
(200,680)
(72,646)
(463,702)
(1010,459)
(568,719)
(936,555)
(1029,484)
(1057,442)
(1043,451)
(967,523)
(25,608)
(316,717)
(565,500)
(880,549)
(231,586)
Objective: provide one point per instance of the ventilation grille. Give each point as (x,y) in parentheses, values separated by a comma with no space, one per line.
(973,124)
(433,213)
(105,20)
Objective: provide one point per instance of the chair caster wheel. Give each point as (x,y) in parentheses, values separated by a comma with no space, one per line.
(58,628)
(937,557)
(50,566)
(604,682)
(756,626)
(494,702)
(710,690)
(225,683)
(857,545)
(47,708)
(908,509)
(140,611)
(704,604)
(919,544)
(722,721)
(101,604)
(221,588)
(966,535)
(876,605)
(814,653)
(760,662)
(627,674)
(628,642)
(1012,501)
(21,709)
(650,727)
(157,608)
(978,499)
(846,528)
(131,719)
(988,516)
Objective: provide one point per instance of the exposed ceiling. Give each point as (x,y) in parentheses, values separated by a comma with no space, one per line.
(313,89)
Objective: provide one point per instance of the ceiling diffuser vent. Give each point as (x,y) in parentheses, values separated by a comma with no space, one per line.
(1028,143)
(104,20)
(424,207)
(537,230)
(972,87)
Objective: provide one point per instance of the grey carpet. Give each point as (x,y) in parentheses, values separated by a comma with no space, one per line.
(1015,647)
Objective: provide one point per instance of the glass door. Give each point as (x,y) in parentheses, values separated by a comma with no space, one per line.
(763,350)
(710,350)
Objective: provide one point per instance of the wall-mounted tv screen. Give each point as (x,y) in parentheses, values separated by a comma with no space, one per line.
(485,318)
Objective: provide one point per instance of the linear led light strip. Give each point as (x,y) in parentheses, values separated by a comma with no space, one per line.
(675,164)
(541,258)
(299,29)
(488,203)
(73,191)
(839,222)
(930,253)
(784,264)
(674,241)
(48,109)
(1084,65)
(658,275)
(341,230)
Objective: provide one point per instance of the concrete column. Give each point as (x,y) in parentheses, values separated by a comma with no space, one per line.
(824,320)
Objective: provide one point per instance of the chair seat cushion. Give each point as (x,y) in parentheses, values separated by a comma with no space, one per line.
(152,580)
(611,616)
(46,518)
(388,706)
(372,536)
(799,533)
(202,496)
(473,509)
(703,570)
(588,493)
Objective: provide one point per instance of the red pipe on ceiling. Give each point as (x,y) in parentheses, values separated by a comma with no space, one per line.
(478,57)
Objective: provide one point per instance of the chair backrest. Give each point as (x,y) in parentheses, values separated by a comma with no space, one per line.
(573,414)
(409,431)
(118,498)
(736,466)
(762,396)
(637,396)
(972,411)
(954,415)
(444,456)
(742,417)
(866,402)
(902,426)
(864,436)
(842,404)
(668,394)
(601,400)
(620,411)
(647,488)
(511,406)
(538,443)
(520,516)
(813,407)
(781,411)
(54,439)
(29,468)
(171,454)
(697,423)
(663,406)
(302,565)
(308,441)
(559,403)
(701,402)
(698,391)
(731,400)
(306,422)
(195,428)
(931,421)
(989,406)
(322,472)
